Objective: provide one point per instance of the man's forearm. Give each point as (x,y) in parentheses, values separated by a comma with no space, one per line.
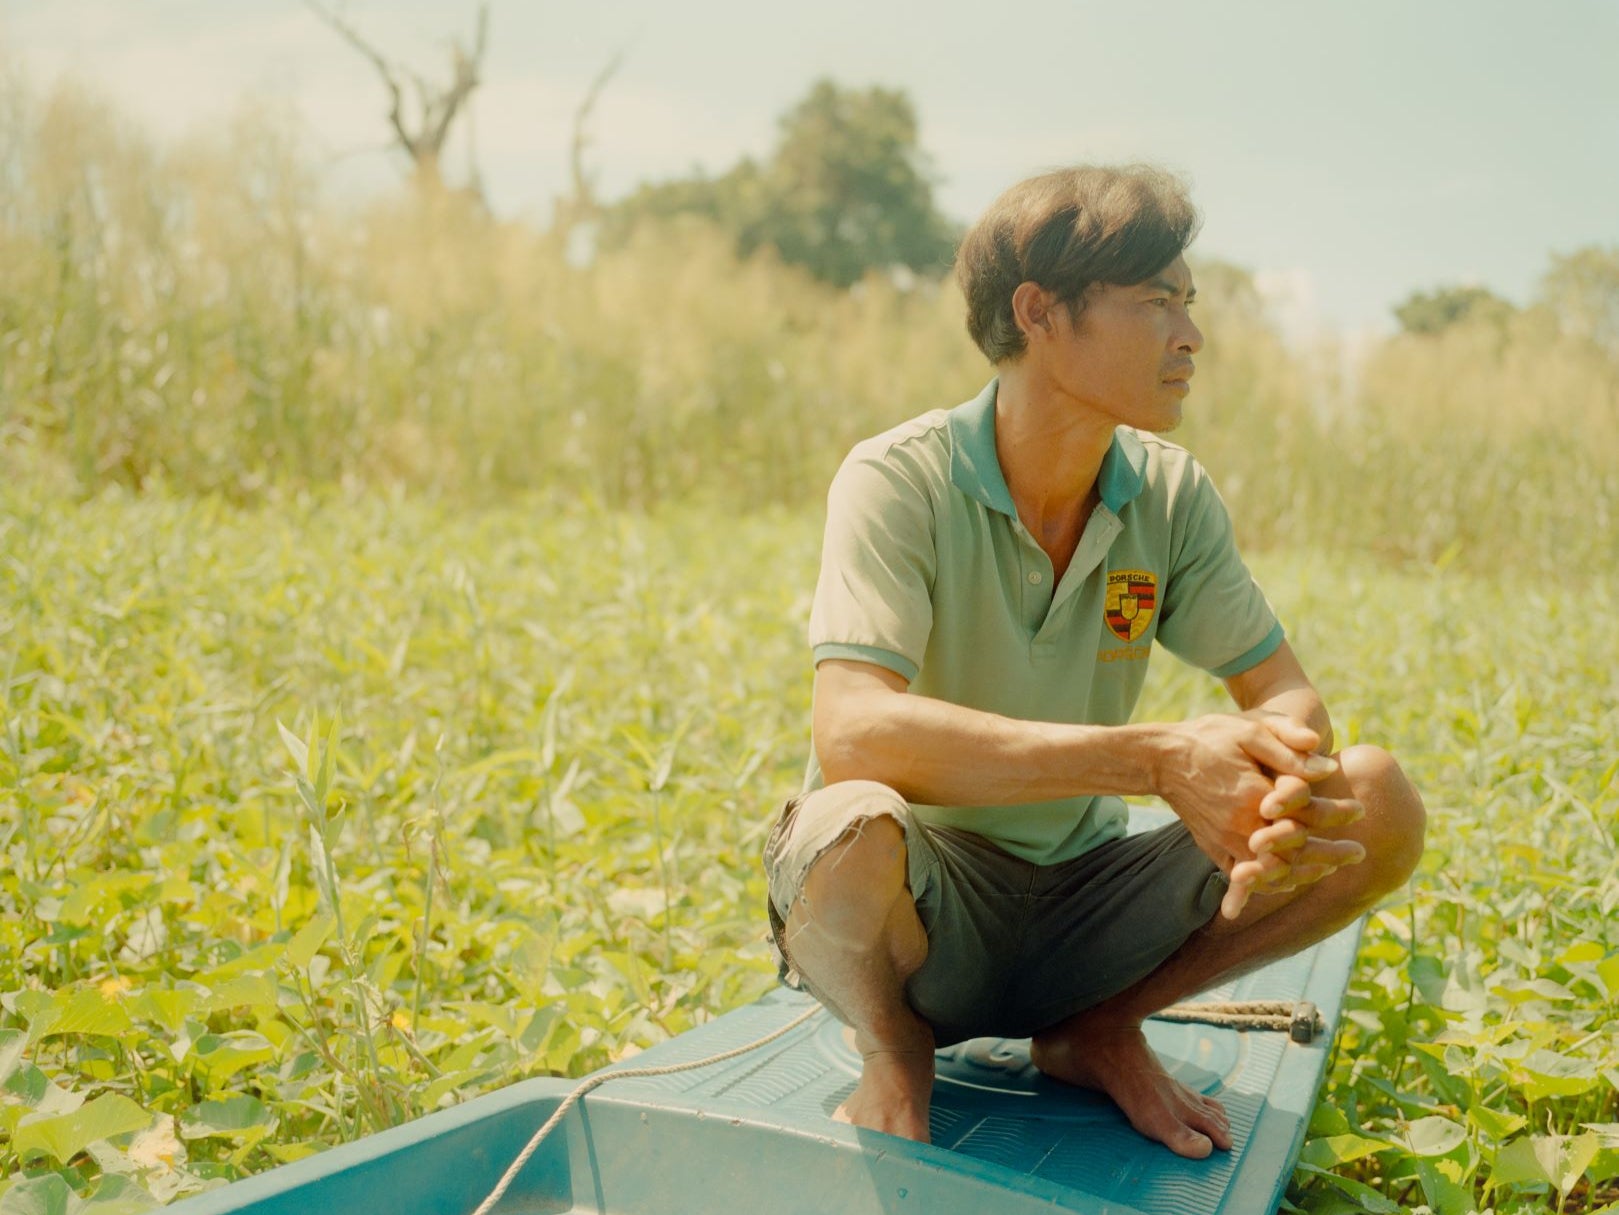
(942,754)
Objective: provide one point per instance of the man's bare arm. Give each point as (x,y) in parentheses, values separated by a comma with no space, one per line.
(1213,771)
(1279,686)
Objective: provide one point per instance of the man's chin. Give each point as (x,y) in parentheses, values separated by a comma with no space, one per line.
(1166,422)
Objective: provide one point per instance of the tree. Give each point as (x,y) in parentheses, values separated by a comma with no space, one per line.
(1582,291)
(846,190)
(1433,312)
(423,135)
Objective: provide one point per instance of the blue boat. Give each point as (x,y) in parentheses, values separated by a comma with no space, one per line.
(753,1133)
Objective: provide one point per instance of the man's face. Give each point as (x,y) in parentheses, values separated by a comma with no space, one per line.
(1128,357)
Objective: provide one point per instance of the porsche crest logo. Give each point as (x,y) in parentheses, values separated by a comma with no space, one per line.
(1128,605)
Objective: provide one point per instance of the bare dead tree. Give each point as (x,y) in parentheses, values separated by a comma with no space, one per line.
(422,133)
(582,205)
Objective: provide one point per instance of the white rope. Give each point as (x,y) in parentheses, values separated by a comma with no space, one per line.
(601,1078)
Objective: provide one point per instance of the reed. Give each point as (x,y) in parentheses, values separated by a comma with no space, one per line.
(202,318)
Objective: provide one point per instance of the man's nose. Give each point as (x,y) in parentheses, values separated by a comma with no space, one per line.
(1190,337)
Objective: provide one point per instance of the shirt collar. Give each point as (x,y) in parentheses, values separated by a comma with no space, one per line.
(976,470)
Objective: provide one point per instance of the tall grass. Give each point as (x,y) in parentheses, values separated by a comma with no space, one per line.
(200,317)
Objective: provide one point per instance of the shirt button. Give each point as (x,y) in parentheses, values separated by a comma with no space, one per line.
(1034,577)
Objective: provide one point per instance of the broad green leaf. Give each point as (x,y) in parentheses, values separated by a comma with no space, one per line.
(257,991)
(12,1044)
(1559,1160)
(1519,1163)
(1582,951)
(1441,1182)
(445,1085)
(467,1053)
(502,1017)
(1608,972)
(229,1116)
(226,1054)
(1605,1165)
(40,1009)
(1433,1136)
(64,1136)
(166,1007)
(257,960)
(117,1196)
(88,895)
(1574,1156)
(88,1011)
(306,942)
(1495,1124)
(1333,1150)
(34,1089)
(539,1028)
(1370,1200)
(46,1194)
(385,967)
(531,960)
(1536,989)
(1428,976)
(1452,1075)
(1545,1073)
(1464,991)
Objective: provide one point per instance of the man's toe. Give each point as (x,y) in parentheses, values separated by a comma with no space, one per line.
(1184,1141)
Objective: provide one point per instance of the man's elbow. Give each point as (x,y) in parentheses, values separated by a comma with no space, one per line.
(848,746)
(845,753)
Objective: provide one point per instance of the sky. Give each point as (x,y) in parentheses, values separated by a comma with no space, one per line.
(1347,154)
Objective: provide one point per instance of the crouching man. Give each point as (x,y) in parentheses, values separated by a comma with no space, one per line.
(993,579)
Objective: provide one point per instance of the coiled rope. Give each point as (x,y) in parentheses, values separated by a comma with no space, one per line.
(1301,1021)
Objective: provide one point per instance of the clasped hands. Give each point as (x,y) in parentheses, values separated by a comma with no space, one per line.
(1246,787)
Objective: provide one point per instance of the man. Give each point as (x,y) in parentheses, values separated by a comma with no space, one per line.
(992,581)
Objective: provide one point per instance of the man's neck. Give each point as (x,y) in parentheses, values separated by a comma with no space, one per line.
(1050,451)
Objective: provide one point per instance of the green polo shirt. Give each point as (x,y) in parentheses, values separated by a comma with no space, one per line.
(927,570)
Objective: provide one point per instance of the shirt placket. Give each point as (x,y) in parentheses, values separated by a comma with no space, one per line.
(1037,579)
(1100,532)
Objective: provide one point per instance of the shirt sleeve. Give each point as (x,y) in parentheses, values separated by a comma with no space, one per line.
(874,597)
(1214,614)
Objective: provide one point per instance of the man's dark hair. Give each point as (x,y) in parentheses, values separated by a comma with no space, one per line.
(1063,231)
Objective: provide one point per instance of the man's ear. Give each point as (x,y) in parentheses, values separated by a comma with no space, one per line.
(1032,305)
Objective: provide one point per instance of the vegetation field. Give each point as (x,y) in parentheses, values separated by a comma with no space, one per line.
(401,655)
(321,817)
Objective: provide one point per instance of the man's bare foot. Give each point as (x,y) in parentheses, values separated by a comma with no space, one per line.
(895,1090)
(1114,1058)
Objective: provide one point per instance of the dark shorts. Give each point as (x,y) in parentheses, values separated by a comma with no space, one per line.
(1013,947)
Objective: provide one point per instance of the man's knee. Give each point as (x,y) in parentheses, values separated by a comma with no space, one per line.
(1395,821)
(851,888)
